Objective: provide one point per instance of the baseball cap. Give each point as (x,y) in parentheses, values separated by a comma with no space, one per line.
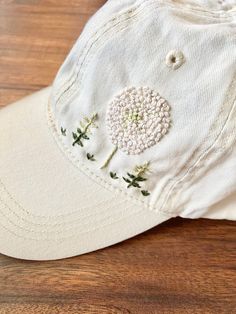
(139,126)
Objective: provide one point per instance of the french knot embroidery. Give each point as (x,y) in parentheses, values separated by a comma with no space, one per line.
(137,119)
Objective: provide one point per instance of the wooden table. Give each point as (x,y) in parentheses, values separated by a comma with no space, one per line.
(181,266)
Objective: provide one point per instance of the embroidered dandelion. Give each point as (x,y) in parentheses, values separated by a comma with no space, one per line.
(137,119)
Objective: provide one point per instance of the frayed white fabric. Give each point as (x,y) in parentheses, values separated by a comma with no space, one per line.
(99,157)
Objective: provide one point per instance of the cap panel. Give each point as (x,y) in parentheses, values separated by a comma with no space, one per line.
(208,189)
(101,21)
(133,54)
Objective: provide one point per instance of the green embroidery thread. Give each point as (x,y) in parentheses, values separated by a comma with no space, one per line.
(63,131)
(110,158)
(145,193)
(90,157)
(82,132)
(135,179)
(114,176)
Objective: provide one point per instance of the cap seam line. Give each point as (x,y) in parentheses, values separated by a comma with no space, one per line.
(176,186)
(55,232)
(36,216)
(88,47)
(93,34)
(158,3)
(70,236)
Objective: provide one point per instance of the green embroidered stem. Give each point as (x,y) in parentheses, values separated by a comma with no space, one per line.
(82,134)
(109,158)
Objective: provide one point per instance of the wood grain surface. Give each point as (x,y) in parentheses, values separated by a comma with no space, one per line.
(181,266)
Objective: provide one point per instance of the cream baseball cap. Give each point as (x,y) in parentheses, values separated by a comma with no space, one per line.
(138,127)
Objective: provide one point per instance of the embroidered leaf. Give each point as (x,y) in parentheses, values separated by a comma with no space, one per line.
(84,136)
(113,175)
(126,180)
(131,175)
(79,131)
(134,184)
(63,131)
(90,157)
(140,179)
(74,136)
(145,193)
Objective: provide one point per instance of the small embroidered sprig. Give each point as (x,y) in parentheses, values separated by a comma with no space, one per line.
(63,131)
(114,176)
(90,157)
(82,133)
(135,179)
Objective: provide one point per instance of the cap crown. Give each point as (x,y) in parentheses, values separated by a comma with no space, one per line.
(145,101)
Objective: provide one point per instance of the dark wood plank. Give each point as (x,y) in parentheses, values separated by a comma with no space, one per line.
(181,266)
(35,37)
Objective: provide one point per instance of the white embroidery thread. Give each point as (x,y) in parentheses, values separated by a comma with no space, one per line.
(137,119)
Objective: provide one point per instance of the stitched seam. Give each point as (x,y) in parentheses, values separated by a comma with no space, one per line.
(74,157)
(75,75)
(88,169)
(193,169)
(86,44)
(63,238)
(213,151)
(203,11)
(93,35)
(88,47)
(78,69)
(46,217)
(45,225)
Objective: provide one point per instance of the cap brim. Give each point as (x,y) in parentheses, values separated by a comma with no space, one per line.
(49,209)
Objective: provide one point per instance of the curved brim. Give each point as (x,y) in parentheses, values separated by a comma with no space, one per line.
(49,209)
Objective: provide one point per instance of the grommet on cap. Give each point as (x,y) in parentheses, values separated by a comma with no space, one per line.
(175,59)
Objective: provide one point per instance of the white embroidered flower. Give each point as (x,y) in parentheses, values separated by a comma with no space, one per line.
(137,119)
(175,59)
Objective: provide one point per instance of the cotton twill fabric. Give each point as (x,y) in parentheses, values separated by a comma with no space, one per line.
(48,208)
(193,167)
